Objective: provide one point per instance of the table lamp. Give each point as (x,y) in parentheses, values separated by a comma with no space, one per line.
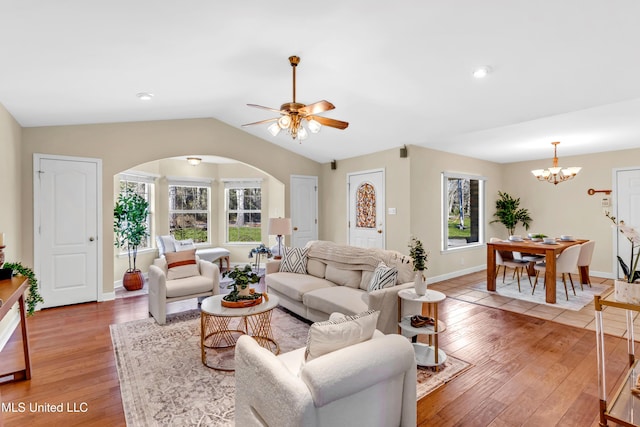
(279,227)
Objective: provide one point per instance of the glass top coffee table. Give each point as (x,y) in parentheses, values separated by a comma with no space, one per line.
(220,328)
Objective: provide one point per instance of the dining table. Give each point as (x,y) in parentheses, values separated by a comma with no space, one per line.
(527,246)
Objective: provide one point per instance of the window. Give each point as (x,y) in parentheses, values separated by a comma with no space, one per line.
(189,210)
(142,185)
(243,211)
(463,210)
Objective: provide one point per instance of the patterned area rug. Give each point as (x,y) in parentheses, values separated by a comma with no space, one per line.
(164,383)
(575,303)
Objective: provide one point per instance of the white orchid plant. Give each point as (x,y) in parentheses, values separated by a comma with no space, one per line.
(632,234)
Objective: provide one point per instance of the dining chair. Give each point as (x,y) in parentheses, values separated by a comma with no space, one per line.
(584,260)
(566,263)
(504,261)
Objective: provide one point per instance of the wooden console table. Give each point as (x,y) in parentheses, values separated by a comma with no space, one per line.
(12,291)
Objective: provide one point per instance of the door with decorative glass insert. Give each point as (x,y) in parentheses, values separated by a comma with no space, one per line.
(366,208)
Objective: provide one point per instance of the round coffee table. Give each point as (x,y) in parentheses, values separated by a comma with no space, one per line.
(218,335)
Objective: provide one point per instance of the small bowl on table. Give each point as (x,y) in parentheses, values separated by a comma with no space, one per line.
(566,237)
(548,240)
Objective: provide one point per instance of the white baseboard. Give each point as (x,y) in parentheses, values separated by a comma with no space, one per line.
(470,270)
(455,274)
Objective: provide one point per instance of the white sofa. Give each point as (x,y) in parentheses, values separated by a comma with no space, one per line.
(337,280)
(372,383)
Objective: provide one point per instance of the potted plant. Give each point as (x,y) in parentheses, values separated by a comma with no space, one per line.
(509,213)
(242,279)
(628,290)
(130,228)
(33,297)
(417,252)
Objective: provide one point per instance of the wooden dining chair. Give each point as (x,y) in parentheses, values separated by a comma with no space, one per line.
(566,263)
(517,265)
(584,260)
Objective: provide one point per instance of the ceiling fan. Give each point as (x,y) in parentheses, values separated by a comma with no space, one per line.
(294,114)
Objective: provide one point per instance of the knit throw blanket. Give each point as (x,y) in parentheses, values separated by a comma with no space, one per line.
(354,258)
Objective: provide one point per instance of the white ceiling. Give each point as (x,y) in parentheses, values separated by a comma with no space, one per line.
(398,72)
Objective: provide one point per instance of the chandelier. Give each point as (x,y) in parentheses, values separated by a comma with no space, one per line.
(556,173)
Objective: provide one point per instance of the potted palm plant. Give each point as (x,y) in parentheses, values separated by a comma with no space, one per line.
(130,228)
(509,213)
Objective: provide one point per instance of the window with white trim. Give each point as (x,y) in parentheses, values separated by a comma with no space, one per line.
(143,186)
(189,210)
(243,205)
(463,210)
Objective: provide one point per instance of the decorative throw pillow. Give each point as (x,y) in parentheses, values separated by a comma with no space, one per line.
(181,264)
(165,244)
(184,245)
(336,333)
(294,260)
(383,277)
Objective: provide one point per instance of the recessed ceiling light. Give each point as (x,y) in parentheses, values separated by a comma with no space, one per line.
(145,96)
(481,72)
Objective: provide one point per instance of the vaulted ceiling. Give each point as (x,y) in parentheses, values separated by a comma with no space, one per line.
(398,72)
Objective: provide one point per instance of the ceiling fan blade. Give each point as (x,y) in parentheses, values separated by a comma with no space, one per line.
(261,122)
(266,108)
(325,121)
(316,107)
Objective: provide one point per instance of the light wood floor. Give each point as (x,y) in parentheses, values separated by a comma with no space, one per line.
(526,371)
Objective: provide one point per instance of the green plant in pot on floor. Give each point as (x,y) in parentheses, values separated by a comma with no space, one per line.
(243,278)
(130,228)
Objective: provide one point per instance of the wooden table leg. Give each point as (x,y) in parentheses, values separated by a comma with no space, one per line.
(550,276)
(491,268)
(25,339)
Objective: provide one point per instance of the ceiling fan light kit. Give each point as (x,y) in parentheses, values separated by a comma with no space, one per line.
(556,174)
(293,115)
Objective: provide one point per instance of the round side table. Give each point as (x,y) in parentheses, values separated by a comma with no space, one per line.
(426,354)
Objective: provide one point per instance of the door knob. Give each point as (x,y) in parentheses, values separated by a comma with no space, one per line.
(295,228)
(91,239)
(380,231)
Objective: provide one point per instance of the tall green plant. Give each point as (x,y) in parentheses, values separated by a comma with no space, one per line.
(33,297)
(509,213)
(130,224)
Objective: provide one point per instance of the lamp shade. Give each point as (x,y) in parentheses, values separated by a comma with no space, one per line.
(280,226)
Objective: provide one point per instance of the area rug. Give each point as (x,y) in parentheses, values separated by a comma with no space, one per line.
(164,383)
(575,303)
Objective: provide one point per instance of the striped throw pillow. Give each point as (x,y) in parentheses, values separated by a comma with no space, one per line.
(181,264)
(383,277)
(294,260)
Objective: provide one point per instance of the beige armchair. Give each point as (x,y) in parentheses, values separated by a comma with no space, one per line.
(372,383)
(163,290)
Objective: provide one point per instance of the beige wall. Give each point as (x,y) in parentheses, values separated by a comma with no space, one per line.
(11,206)
(412,187)
(122,146)
(566,208)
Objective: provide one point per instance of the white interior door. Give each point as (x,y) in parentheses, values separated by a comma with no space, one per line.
(66,221)
(304,210)
(366,208)
(628,208)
